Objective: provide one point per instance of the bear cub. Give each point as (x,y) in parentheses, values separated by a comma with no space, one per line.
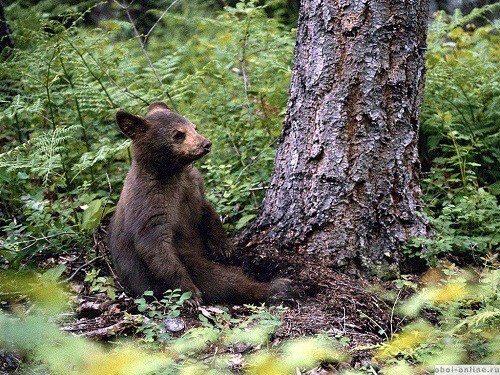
(165,233)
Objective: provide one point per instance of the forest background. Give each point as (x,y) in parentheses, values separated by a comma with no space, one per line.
(226,67)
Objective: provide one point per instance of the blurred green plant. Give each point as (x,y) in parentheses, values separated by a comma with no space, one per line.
(33,300)
(27,327)
(297,354)
(466,306)
(464,303)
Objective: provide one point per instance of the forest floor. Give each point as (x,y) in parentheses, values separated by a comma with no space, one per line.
(326,302)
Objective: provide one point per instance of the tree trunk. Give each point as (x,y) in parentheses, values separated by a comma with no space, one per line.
(346,173)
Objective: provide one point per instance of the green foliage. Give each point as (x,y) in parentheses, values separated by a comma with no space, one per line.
(466,306)
(468,226)
(304,353)
(219,328)
(100,284)
(217,324)
(35,286)
(42,156)
(461,105)
(460,133)
(42,227)
(243,92)
(464,303)
(28,328)
(154,311)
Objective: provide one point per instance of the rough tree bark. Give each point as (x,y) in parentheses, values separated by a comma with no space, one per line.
(346,177)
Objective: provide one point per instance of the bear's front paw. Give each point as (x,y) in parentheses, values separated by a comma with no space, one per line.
(195,300)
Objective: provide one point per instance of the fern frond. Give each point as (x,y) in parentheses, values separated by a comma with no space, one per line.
(89,159)
(478,319)
(40,155)
(444,23)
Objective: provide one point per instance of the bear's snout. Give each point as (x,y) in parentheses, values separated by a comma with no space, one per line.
(206,145)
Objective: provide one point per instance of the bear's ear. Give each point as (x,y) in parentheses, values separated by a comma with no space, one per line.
(158,106)
(131,125)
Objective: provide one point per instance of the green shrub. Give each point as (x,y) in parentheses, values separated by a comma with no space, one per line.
(460,136)
(461,103)
(468,227)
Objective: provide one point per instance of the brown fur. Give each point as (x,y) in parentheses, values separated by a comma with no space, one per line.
(164,229)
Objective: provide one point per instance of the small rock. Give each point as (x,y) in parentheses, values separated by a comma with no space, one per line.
(174,324)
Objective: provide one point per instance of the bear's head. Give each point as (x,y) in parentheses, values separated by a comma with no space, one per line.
(162,139)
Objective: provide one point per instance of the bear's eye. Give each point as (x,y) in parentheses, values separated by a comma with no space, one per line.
(179,135)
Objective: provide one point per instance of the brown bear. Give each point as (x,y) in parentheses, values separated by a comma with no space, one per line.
(164,230)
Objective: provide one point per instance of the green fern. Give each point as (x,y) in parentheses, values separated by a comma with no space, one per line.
(104,153)
(41,156)
(480,319)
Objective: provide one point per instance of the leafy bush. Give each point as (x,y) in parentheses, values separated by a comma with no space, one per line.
(467,227)
(461,102)
(460,136)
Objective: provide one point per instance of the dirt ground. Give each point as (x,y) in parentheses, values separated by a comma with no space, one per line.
(325,301)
